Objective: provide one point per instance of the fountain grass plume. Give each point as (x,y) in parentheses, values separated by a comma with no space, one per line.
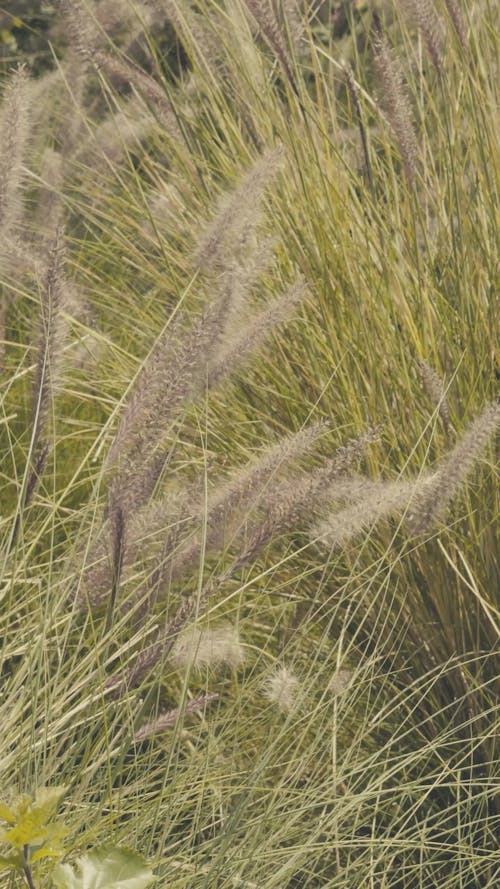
(456,16)
(429,23)
(14,137)
(52,333)
(237,215)
(373,501)
(244,345)
(395,101)
(436,391)
(430,507)
(223,516)
(265,17)
(171,718)
(201,648)
(282,688)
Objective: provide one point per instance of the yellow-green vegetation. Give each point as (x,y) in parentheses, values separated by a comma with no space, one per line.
(249,505)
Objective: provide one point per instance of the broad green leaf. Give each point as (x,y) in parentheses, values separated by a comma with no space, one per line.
(106,867)
(46,852)
(29,818)
(30,829)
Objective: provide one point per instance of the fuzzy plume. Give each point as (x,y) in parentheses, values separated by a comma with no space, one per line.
(194,31)
(372,501)
(395,102)
(340,682)
(281,689)
(226,509)
(435,389)
(14,134)
(293,503)
(431,505)
(457,18)
(48,214)
(205,648)
(116,135)
(265,18)
(170,719)
(293,11)
(237,215)
(171,376)
(425,16)
(53,330)
(233,354)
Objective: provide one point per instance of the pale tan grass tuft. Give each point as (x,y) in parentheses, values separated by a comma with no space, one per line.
(340,682)
(201,648)
(282,689)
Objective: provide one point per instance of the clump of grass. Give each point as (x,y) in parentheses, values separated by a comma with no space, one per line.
(241,284)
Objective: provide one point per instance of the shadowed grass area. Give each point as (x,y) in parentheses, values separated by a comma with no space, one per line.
(249,504)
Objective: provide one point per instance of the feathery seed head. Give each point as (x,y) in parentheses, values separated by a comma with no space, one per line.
(395,102)
(430,506)
(425,16)
(170,719)
(372,501)
(435,388)
(237,215)
(201,647)
(457,18)
(14,133)
(340,681)
(281,689)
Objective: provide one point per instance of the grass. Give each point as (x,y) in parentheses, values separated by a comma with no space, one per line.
(390,781)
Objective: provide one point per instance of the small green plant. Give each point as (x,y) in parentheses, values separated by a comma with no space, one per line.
(32,835)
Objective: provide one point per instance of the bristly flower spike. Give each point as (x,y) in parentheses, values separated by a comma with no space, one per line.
(171,718)
(431,506)
(281,689)
(14,133)
(395,101)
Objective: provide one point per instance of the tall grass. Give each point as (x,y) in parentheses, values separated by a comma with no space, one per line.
(248,574)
